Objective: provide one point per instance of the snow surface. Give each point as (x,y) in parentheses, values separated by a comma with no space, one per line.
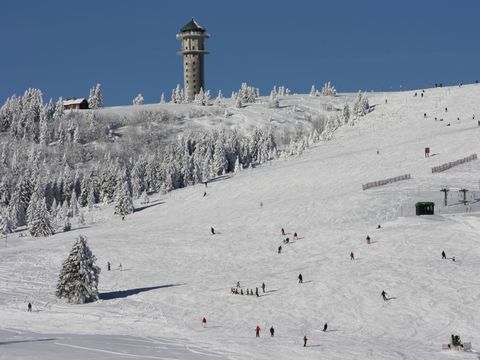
(175,272)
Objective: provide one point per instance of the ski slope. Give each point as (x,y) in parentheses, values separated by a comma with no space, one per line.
(175,272)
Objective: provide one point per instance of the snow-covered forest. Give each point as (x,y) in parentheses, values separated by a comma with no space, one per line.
(55,161)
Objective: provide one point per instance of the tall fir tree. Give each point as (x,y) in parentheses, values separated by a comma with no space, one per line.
(123,200)
(95,100)
(41,224)
(78,280)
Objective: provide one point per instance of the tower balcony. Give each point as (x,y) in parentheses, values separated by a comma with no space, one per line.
(192,52)
(192,35)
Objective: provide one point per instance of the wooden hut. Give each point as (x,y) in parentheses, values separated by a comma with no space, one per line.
(75,104)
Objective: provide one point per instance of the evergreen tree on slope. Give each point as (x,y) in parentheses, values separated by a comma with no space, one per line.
(41,224)
(123,200)
(78,281)
(95,100)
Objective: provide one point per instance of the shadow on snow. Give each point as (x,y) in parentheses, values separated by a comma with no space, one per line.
(125,293)
(24,341)
(155,203)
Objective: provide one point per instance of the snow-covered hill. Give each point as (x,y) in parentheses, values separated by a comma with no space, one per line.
(175,272)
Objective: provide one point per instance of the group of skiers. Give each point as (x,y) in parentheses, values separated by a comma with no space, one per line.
(272,332)
(286,240)
(239,291)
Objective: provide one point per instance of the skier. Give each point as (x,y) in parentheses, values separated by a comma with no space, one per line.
(424,115)
(204,322)
(261,204)
(280,249)
(120,266)
(384,295)
(453,258)
(257,331)
(256,291)
(263,287)
(368,239)
(212,230)
(300,278)
(325,327)
(272,331)
(204,193)
(283,231)
(238,284)
(446,109)
(295,236)
(123,217)
(352,257)
(379,227)
(108,266)
(29,307)
(305,341)
(444,256)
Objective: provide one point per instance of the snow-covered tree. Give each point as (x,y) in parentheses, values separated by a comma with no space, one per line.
(220,163)
(178,95)
(41,224)
(91,196)
(346,114)
(200,98)
(238,103)
(273,103)
(162,99)
(283,91)
(144,198)
(6,225)
(78,280)
(73,204)
(67,225)
(219,98)
(123,200)
(81,218)
(361,106)
(247,94)
(328,90)
(238,166)
(95,100)
(138,100)
(76,135)
(313,91)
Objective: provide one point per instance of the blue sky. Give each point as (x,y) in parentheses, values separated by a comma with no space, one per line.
(129,46)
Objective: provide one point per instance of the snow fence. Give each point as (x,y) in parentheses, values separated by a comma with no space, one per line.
(385,181)
(451,164)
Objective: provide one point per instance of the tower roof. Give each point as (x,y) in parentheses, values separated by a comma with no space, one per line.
(192,26)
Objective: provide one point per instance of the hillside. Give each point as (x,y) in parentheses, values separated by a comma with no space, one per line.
(175,272)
